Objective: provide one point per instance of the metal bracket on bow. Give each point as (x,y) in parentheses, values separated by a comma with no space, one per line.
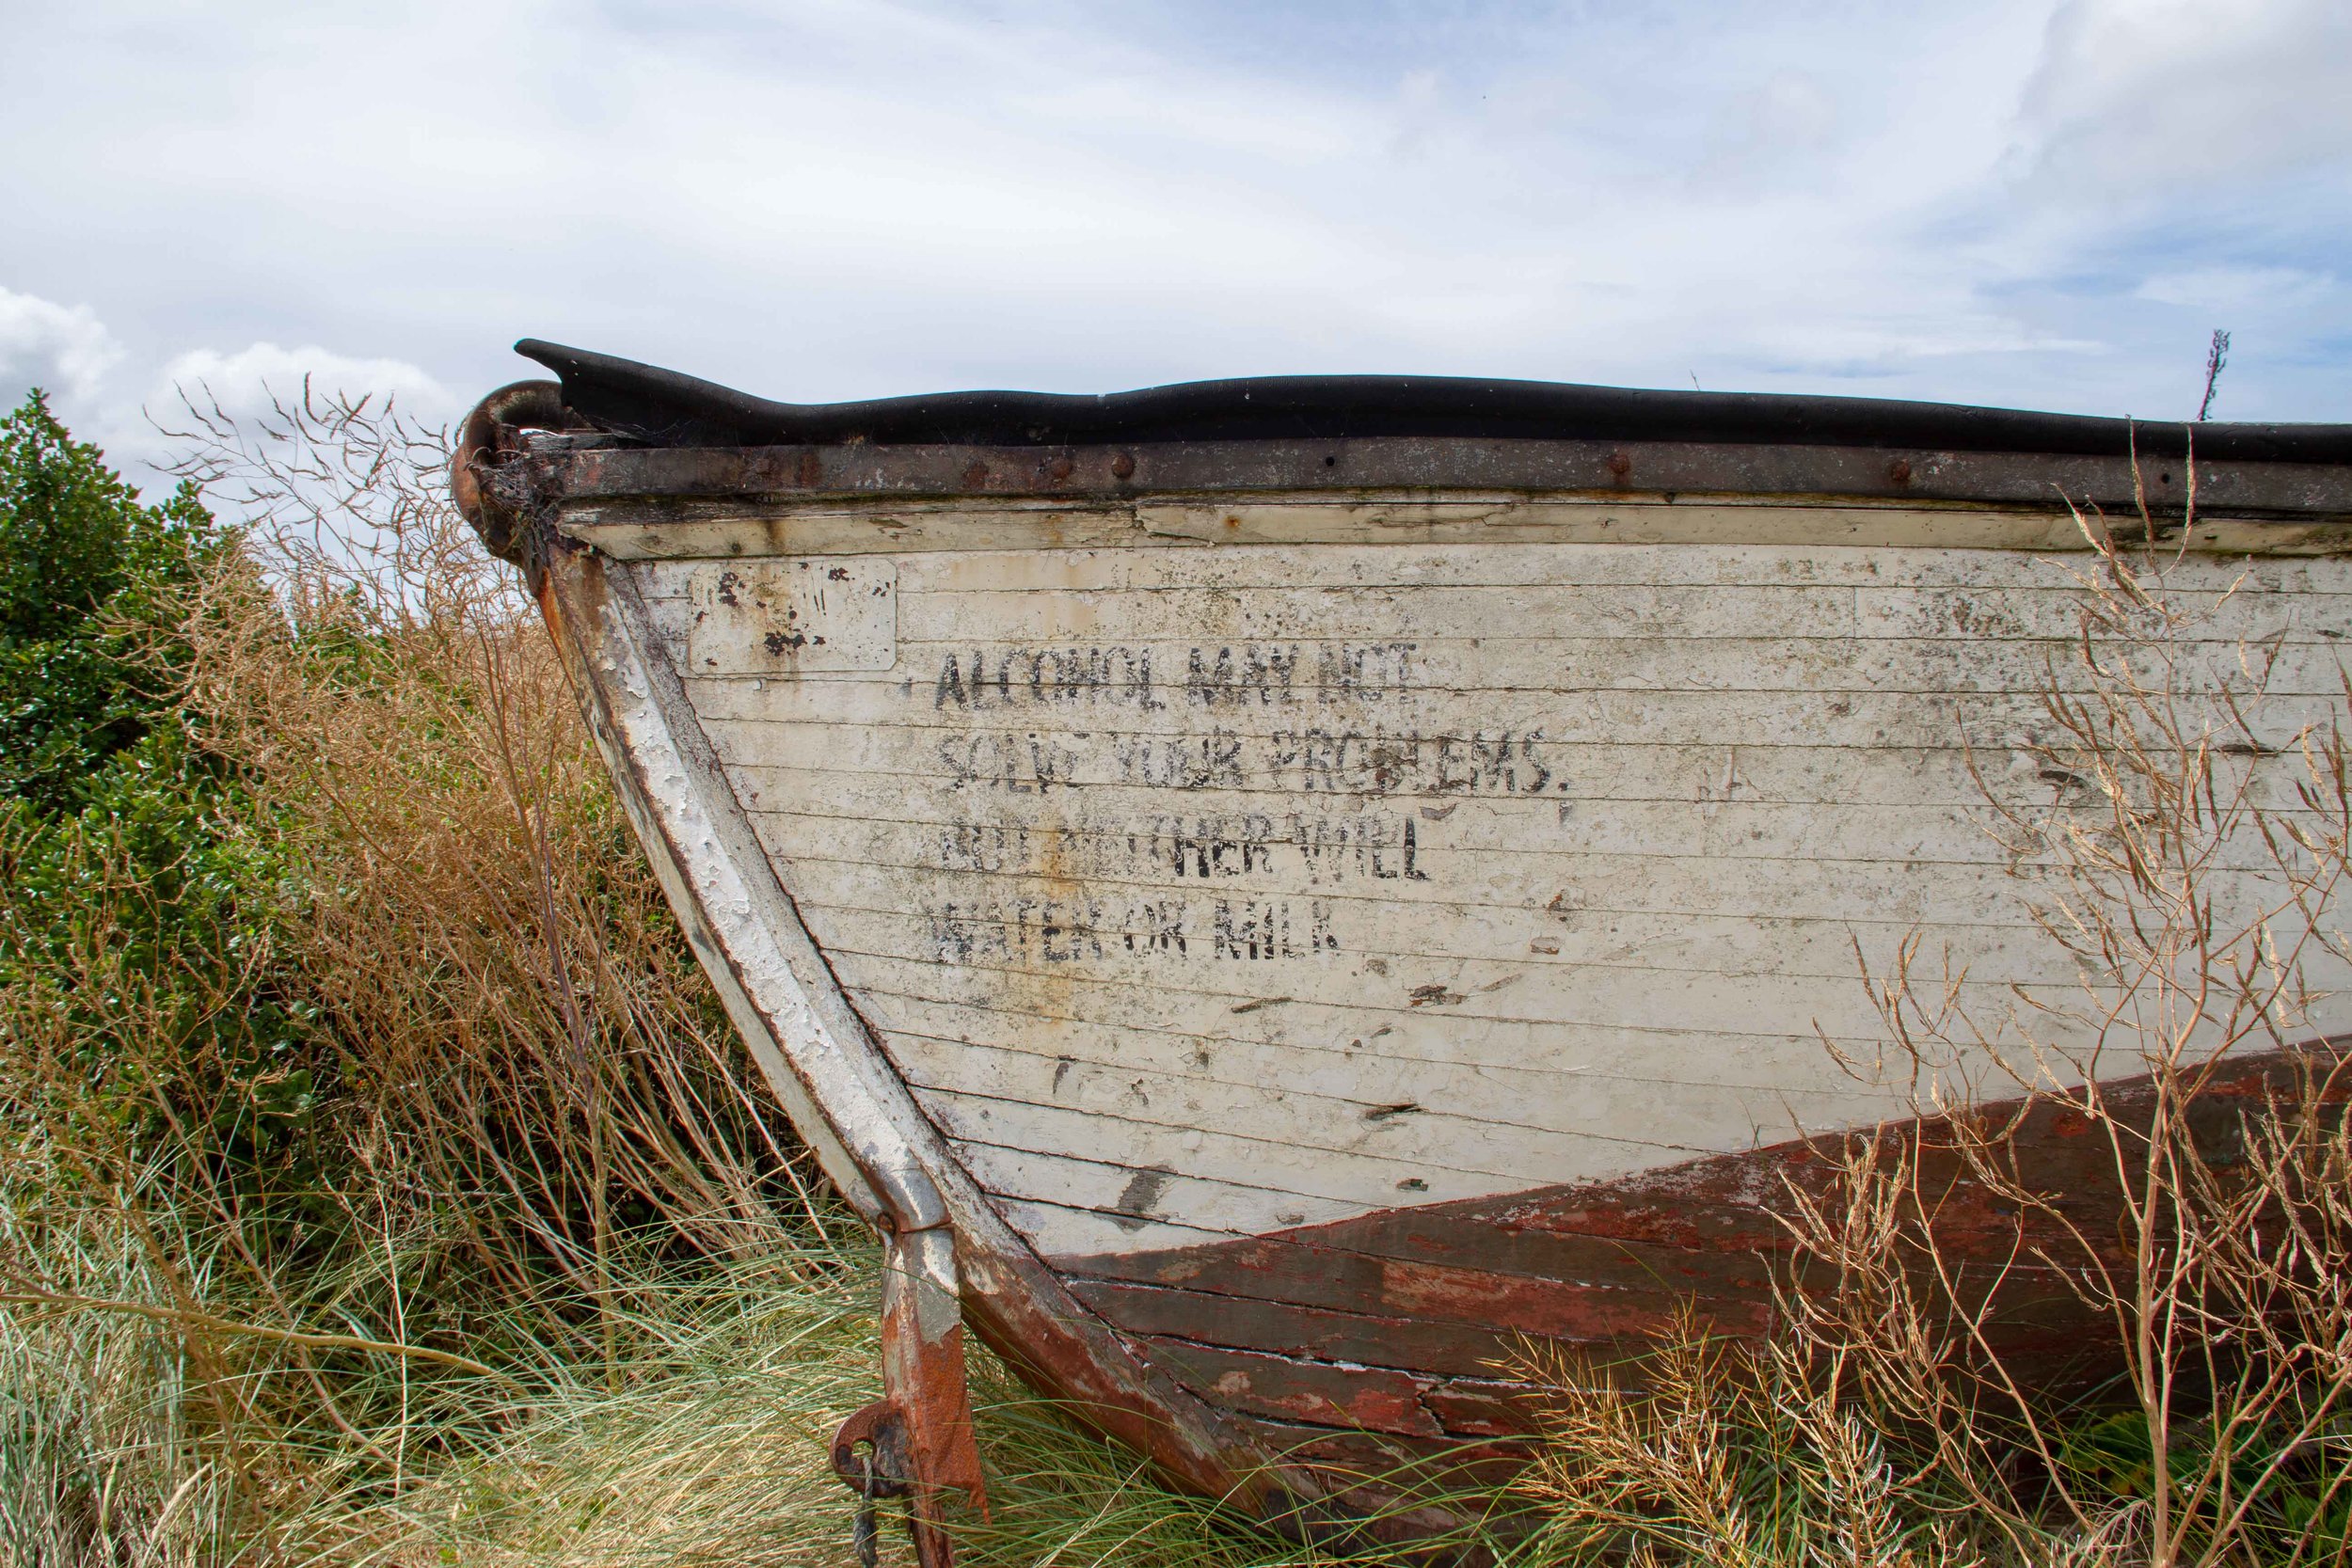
(917,1437)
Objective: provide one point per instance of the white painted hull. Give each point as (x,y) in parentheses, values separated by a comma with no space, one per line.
(1211,892)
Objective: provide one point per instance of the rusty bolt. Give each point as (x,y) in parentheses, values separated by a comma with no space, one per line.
(975,476)
(1620,464)
(1899,470)
(1123,466)
(1061,468)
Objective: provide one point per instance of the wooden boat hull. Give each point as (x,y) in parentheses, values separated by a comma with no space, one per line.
(1270,928)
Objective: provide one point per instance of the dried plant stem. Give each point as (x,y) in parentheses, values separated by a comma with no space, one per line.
(183,1318)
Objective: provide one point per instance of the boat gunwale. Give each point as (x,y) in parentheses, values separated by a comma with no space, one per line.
(565,469)
(666,407)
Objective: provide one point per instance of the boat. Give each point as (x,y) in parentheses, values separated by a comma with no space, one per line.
(1271,894)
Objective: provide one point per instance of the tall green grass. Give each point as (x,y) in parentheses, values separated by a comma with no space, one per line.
(701,1438)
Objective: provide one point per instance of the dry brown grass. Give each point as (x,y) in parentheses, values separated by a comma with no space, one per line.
(479,935)
(2196,861)
(512,1109)
(2189,870)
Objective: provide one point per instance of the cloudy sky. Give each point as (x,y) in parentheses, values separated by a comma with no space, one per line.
(2039,202)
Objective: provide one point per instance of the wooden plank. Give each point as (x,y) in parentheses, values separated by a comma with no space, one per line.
(1464,1125)
(1318,1044)
(1516,519)
(1122,833)
(1543,1280)
(1089,1194)
(1206,990)
(1637,1052)
(1379,938)
(1452,1347)
(1699,1002)
(1568,889)
(1024,943)
(1348,611)
(1150,675)
(1249,706)
(978,863)
(1060,571)
(987,761)
(1320,1393)
(1127,832)
(624,534)
(1755,1063)
(1334,608)
(623,530)
(1526,561)
(1365,1179)
(1278,1328)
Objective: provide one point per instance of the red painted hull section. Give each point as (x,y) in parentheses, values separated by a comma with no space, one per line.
(1391,1334)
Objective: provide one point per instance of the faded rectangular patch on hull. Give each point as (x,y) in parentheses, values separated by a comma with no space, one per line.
(787,617)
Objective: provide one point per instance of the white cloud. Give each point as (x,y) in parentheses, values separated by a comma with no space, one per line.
(2237,288)
(63,348)
(248,381)
(838,198)
(1761,133)
(2138,99)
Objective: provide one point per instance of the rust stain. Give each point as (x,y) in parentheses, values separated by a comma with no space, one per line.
(1022,1312)
(920,1432)
(1376,1399)
(1255,1005)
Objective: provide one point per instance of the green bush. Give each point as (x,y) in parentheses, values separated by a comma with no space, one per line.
(139,901)
(85,567)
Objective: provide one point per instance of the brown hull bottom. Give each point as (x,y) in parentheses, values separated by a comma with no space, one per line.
(1384,1339)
